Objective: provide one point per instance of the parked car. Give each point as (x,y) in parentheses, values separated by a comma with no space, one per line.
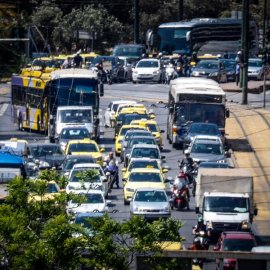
(45,155)
(234,241)
(255,69)
(212,69)
(148,70)
(150,203)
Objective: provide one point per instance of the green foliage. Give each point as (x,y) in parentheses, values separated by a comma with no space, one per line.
(37,234)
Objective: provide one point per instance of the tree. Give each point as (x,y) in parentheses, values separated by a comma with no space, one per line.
(40,235)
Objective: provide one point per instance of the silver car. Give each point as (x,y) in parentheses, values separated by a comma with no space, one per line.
(150,203)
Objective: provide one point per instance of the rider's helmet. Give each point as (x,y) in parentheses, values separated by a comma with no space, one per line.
(200,220)
(186,152)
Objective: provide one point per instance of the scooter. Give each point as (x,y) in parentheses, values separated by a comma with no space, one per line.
(179,198)
(170,73)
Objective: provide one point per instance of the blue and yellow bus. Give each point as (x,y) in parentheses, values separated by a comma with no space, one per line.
(35,99)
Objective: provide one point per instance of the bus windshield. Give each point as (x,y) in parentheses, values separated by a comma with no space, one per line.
(197,112)
(73,91)
(173,40)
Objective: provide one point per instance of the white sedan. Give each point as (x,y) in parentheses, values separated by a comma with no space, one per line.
(87,201)
(148,70)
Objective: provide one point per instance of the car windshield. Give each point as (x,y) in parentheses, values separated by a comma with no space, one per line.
(204,148)
(92,198)
(153,164)
(257,63)
(130,117)
(83,147)
(52,188)
(45,150)
(75,116)
(145,177)
(204,129)
(226,204)
(145,152)
(73,134)
(150,196)
(207,65)
(68,165)
(129,135)
(76,175)
(147,64)
(238,244)
(229,64)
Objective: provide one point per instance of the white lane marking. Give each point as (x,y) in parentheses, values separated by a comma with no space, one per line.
(3,108)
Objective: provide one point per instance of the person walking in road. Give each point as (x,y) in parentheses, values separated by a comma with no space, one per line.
(237,73)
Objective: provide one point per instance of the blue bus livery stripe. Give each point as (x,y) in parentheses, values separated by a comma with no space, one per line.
(6,158)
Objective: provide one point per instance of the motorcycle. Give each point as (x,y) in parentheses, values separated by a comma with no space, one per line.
(111,171)
(179,199)
(188,171)
(170,73)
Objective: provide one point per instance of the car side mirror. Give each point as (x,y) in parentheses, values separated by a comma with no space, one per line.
(162,131)
(124,170)
(152,116)
(104,179)
(102,150)
(227,113)
(163,157)
(255,211)
(165,170)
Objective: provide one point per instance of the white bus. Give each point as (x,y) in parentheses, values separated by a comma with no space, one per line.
(194,100)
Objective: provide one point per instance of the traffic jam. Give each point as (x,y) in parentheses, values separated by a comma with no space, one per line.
(71,120)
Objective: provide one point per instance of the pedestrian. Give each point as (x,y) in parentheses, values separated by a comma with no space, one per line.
(77,60)
(67,63)
(237,72)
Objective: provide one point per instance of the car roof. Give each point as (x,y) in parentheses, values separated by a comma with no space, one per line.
(124,102)
(142,137)
(149,59)
(263,249)
(238,235)
(86,140)
(87,191)
(86,165)
(150,189)
(75,127)
(142,170)
(207,137)
(42,144)
(79,156)
(144,145)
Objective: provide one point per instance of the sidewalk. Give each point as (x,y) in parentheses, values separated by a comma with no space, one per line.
(254,87)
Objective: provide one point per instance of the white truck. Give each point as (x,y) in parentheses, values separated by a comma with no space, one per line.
(76,116)
(224,198)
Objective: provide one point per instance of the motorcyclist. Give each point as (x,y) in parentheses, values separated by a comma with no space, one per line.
(201,227)
(112,167)
(187,160)
(181,185)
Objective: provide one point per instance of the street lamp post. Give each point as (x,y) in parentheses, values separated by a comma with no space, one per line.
(264,50)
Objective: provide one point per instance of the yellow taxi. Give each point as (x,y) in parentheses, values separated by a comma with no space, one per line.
(85,147)
(121,135)
(130,109)
(143,178)
(51,192)
(153,127)
(142,163)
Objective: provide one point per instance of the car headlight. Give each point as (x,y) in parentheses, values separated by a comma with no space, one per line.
(166,209)
(130,189)
(230,72)
(213,74)
(245,225)
(156,72)
(222,161)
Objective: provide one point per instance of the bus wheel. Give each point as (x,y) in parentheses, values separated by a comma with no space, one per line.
(20,123)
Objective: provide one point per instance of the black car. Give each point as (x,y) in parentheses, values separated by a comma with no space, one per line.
(45,155)
(113,67)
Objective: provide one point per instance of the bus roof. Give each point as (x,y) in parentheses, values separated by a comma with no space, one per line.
(196,89)
(6,158)
(73,72)
(200,21)
(194,80)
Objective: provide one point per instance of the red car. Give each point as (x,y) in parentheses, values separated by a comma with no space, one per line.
(234,241)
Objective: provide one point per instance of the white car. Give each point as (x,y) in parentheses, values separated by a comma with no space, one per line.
(110,112)
(148,70)
(255,69)
(99,182)
(93,201)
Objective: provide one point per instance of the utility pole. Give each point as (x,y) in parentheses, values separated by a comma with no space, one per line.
(264,51)
(136,22)
(245,51)
(180,9)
